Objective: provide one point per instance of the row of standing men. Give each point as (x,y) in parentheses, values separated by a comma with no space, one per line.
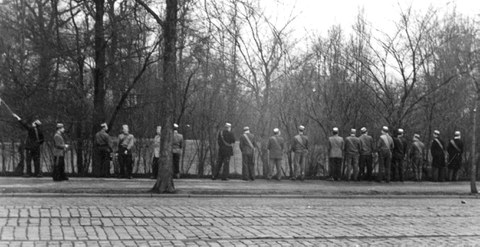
(352,156)
(103,150)
(353,153)
(126,141)
(356,155)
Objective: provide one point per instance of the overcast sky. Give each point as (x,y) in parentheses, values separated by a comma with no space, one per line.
(319,15)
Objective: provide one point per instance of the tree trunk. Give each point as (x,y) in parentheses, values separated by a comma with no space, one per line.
(164,182)
(473,173)
(99,75)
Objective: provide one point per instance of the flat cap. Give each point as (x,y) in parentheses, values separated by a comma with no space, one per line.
(436,132)
(59,125)
(103,125)
(228,125)
(363,129)
(246,128)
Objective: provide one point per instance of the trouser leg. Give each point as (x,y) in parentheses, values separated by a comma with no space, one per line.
(361,167)
(29,162)
(245,168)
(338,168)
(348,164)
(355,167)
(61,169)
(381,168)
(278,165)
(303,162)
(251,167)
(435,174)
(129,164)
(155,167)
(121,162)
(368,164)
(226,167)
(296,166)
(176,163)
(388,161)
(36,162)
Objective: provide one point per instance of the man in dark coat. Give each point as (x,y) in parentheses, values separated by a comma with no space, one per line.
(225,151)
(32,145)
(399,152)
(385,146)
(437,150)
(455,151)
(103,149)
(247,146)
(366,159)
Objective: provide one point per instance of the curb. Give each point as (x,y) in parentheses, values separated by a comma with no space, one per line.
(255,196)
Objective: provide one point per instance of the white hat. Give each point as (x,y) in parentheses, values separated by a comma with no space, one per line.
(335,129)
(457,133)
(436,132)
(59,125)
(416,136)
(276,130)
(363,129)
(301,128)
(228,125)
(400,131)
(175,126)
(37,122)
(246,128)
(104,125)
(353,131)
(385,128)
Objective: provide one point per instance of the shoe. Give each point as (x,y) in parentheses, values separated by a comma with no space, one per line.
(293,179)
(214,178)
(65,179)
(278,179)
(225,179)
(39,175)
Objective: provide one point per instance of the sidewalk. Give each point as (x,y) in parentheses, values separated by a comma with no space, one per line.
(20,186)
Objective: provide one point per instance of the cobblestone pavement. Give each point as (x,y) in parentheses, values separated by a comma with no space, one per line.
(238,222)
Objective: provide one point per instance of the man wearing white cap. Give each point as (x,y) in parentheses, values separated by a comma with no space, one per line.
(366,158)
(247,146)
(399,155)
(385,146)
(417,154)
(177,148)
(59,147)
(352,155)
(103,149)
(455,152)
(437,149)
(33,143)
(335,154)
(226,141)
(276,148)
(125,157)
(300,150)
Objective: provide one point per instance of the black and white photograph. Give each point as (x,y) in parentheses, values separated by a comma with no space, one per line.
(239,123)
